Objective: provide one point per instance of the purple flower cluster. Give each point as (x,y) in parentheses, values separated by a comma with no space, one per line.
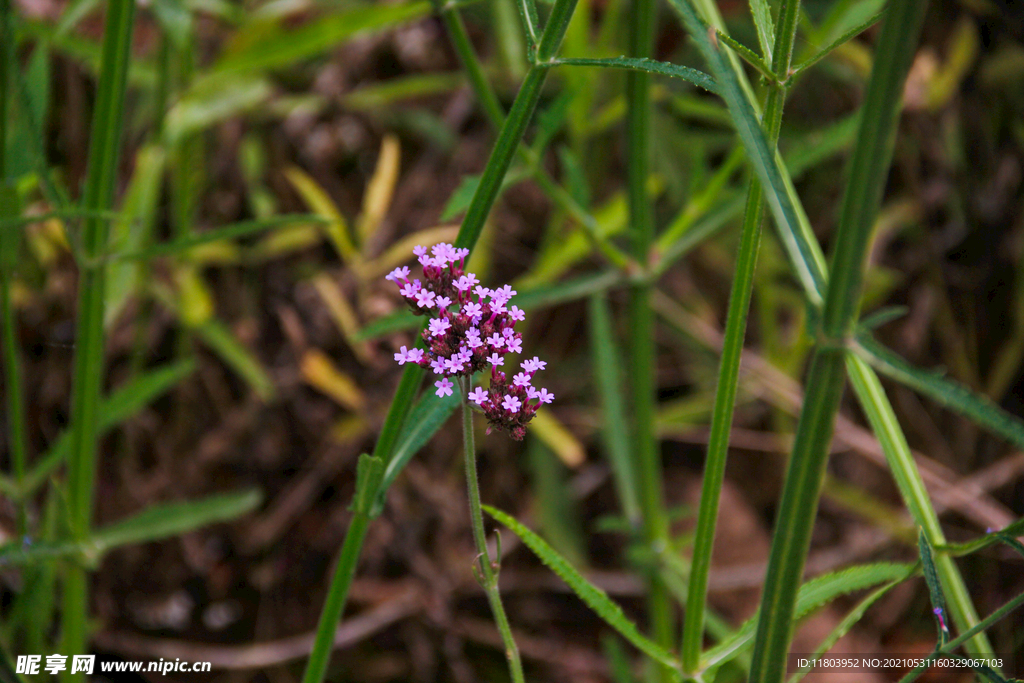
(480,333)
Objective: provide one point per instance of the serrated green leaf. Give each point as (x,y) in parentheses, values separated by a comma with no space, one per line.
(693,76)
(944,391)
(425,418)
(594,597)
(815,593)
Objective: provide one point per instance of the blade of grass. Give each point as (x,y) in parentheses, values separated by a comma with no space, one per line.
(826,379)
(101,177)
(641,365)
(607,370)
(732,350)
(504,150)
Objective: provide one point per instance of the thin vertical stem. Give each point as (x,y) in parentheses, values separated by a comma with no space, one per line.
(642,367)
(488,568)
(799,503)
(732,351)
(104,152)
(9,244)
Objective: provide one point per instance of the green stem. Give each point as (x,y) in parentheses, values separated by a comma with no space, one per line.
(799,503)
(9,245)
(642,368)
(732,352)
(472,224)
(488,575)
(104,152)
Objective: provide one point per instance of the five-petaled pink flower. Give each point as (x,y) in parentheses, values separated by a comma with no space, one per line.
(511,404)
(478,395)
(444,387)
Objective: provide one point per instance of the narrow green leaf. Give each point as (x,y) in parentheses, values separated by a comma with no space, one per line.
(652,66)
(460,199)
(847,623)
(369,473)
(230,231)
(152,524)
(173,519)
(931,578)
(594,597)
(212,100)
(607,369)
(132,230)
(765,28)
(850,34)
(814,594)
(944,391)
(220,339)
(286,45)
(423,421)
(749,56)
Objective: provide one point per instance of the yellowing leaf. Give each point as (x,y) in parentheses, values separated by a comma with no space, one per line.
(321,204)
(559,439)
(195,302)
(342,314)
(380,189)
(320,372)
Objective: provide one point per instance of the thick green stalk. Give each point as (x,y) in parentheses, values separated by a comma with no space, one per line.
(472,224)
(9,242)
(104,151)
(488,568)
(732,352)
(642,368)
(865,184)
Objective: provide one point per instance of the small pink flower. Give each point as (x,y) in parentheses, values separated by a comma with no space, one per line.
(515,345)
(521,380)
(443,302)
(419,250)
(409,289)
(437,365)
(481,291)
(472,309)
(425,298)
(398,274)
(403,356)
(545,396)
(438,326)
(478,396)
(495,360)
(517,313)
(496,340)
(511,404)
(444,387)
